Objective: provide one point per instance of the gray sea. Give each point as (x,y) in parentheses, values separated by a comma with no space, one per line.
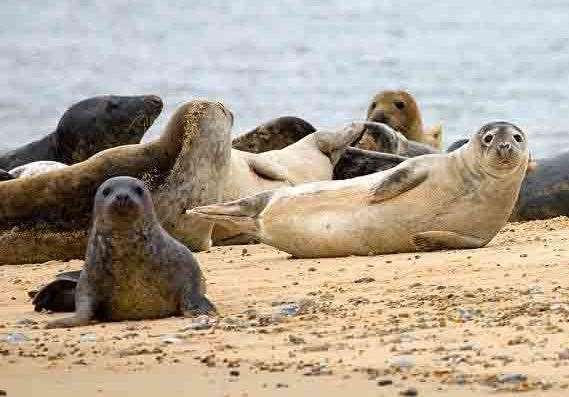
(467,63)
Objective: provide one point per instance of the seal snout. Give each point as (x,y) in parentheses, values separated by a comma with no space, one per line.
(153,103)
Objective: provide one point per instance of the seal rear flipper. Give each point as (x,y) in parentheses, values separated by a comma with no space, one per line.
(240,214)
(57,296)
(268,169)
(404,178)
(438,240)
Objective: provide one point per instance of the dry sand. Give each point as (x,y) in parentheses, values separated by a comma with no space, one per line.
(466,323)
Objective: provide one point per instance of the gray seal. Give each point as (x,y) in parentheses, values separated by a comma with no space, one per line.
(187,166)
(275,134)
(88,127)
(134,269)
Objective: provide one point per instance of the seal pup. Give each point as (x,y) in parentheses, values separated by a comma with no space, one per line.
(251,173)
(399,110)
(88,127)
(273,135)
(47,216)
(35,168)
(438,201)
(134,269)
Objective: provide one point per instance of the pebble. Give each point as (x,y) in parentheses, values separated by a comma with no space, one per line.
(384,382)
(402,362)
(15,337)
(170,339)
(3,393)
(564,355)
(364,280)
(511,378)
(199,324)
(88,338)
(409,392)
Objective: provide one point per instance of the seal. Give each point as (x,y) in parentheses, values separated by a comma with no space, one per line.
(273,135)
(439,201)
(399,110)
(252,173)
(88,127)
(134,269)
(379,137)
(35,168)
(545,190)
(186,167)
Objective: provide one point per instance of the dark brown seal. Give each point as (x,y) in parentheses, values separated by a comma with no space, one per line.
(275,134)
(47,216)
(134,269)
(88,127)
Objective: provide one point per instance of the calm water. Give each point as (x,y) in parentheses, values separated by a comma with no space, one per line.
(321,61)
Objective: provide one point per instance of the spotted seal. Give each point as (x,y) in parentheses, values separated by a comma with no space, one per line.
(438,201)
(88,127)
(134,269)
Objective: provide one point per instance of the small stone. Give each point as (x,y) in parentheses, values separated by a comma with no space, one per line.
(15,337)
(3,393)
(384,382)
(297,340)
(234,373)
(26,321)
(564,355)
(402,362)
(199,324)
(88,338)
(411,391)
(170,340)
(511,378)
(364,280)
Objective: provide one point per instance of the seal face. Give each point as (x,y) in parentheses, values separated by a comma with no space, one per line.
(88,127)
(400,111)
(437,201)
(186,167)
(275,134)
(133,268)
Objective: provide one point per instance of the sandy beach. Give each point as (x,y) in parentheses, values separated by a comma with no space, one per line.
(473,322)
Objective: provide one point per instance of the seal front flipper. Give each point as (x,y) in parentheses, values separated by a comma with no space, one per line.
(85,308)
(195,305)
(438,240)
(268,169)
(335,143)
(399,181)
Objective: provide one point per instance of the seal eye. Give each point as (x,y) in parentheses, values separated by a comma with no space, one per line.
(373,105)
(138,190)
(399,105)
(106,191)
(488,138)
(518,138)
